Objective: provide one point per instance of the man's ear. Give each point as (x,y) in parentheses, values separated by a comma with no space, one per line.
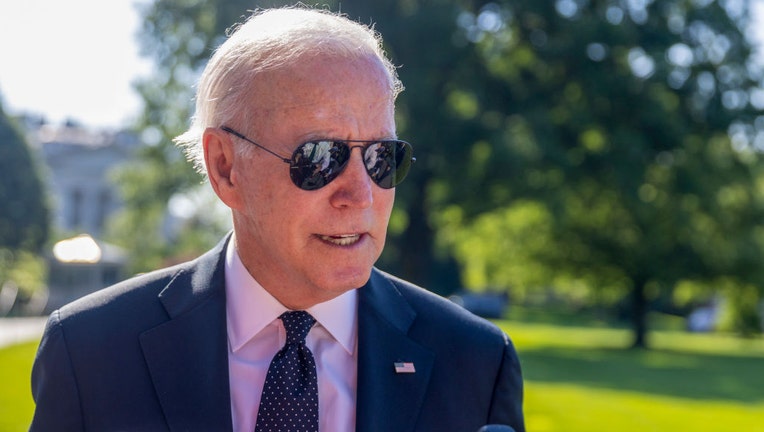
(219,155)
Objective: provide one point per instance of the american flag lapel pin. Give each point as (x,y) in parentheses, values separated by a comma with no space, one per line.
(404,367)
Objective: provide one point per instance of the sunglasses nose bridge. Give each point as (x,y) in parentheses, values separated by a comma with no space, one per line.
(354,181)
(362,148)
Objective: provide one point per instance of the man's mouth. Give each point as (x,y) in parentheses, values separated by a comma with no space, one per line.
(342,239)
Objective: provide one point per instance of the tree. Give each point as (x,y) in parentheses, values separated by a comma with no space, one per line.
(618,140)
(179,36)
(23,217)
(634,125)
(24,209)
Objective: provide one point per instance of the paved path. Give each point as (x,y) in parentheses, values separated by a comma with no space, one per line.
(17,330)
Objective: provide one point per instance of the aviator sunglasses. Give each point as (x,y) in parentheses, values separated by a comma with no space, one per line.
(315,164)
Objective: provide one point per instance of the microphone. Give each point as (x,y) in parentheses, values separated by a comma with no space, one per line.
(496,428)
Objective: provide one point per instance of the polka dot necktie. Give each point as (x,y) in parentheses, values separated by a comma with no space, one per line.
(290,395)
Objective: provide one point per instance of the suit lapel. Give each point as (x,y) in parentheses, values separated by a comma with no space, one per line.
(388,400)
(188,355)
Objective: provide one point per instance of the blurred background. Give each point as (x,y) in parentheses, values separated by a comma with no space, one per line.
(590,175)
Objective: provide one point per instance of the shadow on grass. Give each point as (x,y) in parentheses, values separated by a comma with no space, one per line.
(661,372)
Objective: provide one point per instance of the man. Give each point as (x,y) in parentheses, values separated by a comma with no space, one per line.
(199,346)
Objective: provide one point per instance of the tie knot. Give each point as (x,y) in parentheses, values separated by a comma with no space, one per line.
(297,325)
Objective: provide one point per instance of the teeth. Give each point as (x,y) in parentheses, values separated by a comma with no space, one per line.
(341,240)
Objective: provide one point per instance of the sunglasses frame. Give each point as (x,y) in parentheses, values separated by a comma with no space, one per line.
(365,144)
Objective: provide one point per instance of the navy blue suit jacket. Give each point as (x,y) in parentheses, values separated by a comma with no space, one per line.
(150,354)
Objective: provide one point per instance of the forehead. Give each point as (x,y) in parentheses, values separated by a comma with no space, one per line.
(323,86)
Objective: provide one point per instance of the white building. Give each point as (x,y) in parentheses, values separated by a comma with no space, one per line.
(81,265)
(78,166)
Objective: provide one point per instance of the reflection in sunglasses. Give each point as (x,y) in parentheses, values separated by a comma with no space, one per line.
(316,163)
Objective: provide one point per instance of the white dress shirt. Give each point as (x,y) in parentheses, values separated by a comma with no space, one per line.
(255,335)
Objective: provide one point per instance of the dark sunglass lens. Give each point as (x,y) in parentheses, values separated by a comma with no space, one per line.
(316,163)
(388,162)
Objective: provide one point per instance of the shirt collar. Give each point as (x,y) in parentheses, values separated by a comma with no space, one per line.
(250,308)
(339,316)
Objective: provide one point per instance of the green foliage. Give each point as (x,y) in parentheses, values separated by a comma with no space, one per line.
(519,232)
(26,270)
(179,36)
(24,210)
(631,124)
(607,149)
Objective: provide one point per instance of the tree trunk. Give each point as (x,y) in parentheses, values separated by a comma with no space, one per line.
(639,313)
(416,246)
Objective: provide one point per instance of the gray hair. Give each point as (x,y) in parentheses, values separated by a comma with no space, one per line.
(268,40)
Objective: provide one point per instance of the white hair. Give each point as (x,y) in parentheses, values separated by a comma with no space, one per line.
(268,40)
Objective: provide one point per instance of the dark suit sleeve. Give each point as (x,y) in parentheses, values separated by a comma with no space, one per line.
(54,387)
(507,404)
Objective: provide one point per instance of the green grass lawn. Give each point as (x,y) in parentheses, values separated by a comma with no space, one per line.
(577,379)
(585,379)
(16,405)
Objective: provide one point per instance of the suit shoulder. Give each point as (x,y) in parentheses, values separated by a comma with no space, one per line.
(131,294)
(135,292)
(444,315)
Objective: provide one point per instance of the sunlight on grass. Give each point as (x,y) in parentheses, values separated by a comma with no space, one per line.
(586,379)
(532,336)
(557,407)
(16,404)
(577,379)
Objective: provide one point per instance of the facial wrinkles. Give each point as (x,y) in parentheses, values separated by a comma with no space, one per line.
(284,223)
(327,121)
(323,105)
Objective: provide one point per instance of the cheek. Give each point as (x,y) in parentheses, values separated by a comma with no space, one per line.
(256,179)
(257,195)
(383,205)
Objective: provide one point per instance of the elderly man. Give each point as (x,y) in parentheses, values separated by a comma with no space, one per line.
(285,325)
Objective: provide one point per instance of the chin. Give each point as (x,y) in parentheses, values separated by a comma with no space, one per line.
(349,278)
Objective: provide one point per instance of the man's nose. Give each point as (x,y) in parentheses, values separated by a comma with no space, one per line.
(354,187)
